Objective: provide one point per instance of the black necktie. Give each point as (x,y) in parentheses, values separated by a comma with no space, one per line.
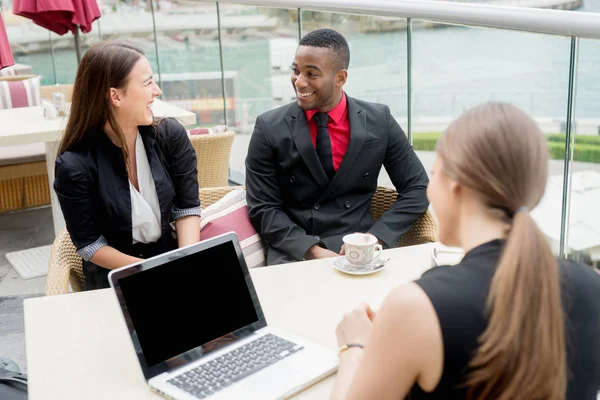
(323,144)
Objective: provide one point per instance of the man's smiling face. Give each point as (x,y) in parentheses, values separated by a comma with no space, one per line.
(316,78)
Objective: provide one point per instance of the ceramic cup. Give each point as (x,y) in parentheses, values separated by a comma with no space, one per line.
(361,248)
(442,255)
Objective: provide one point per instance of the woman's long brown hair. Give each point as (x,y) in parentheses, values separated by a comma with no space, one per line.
(498,151)
(105,65)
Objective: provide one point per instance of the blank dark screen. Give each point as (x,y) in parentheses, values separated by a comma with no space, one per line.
(188,302)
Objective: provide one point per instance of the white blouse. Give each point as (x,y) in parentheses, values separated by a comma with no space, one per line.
(145,209)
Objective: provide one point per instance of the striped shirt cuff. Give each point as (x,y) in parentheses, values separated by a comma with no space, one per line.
(88,251)
(177,213)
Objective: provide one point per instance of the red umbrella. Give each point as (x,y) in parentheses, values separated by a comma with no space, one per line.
(6,57)
(60,16)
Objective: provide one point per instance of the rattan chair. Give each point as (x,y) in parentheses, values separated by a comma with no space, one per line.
(424,230)
(23,186)
(209,196)
(66,266)
(212,155)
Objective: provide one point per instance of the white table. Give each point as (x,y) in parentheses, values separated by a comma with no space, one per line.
(27,125)
(78,346)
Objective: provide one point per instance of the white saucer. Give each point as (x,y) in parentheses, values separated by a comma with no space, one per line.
(342,265)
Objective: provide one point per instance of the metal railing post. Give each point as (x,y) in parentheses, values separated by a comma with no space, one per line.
(409,79)
(155,41)
(222,64)
(52,57)
(569,144)
(299,24)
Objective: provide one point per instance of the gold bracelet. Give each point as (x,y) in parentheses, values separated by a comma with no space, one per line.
(349,345)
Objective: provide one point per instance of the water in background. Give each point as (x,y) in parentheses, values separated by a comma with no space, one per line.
(453,68)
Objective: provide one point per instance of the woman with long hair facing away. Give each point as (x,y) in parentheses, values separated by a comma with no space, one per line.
(123,178)
(509,321)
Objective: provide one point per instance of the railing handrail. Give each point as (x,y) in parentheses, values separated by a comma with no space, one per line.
(554,22)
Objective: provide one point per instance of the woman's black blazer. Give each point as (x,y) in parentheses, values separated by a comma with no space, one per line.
(93,187)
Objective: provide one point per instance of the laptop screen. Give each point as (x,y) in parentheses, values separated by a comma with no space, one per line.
(187,302)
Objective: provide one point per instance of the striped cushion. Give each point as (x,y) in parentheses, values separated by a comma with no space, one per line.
(230,213)
(203,131)
(198,131)
(20,93)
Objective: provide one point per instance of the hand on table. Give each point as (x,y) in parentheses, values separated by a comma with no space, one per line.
(356,326)
(317,251)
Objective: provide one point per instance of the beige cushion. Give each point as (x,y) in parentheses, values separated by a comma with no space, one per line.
(10,71)
(22,153)
(17,69)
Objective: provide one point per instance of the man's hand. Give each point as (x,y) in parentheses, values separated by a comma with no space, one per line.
(317,251)
(343,251)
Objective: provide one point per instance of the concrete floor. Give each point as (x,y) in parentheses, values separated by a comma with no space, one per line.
(19,231)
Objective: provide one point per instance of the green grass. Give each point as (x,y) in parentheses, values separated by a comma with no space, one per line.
(587,148)
(591,140)
(425,141)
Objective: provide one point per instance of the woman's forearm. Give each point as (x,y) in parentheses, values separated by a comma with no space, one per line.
(188,230)
(349,361)
(110,258)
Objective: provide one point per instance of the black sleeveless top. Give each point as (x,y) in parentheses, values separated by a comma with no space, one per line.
(459,293)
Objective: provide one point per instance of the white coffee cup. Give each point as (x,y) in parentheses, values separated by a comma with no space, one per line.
(361,248)
(442,255)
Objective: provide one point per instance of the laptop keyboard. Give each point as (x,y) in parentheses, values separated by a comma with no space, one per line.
(231,367)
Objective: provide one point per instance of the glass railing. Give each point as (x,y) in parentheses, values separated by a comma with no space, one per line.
(583,223)
(428,61)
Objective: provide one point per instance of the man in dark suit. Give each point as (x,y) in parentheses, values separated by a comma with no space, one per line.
(312,165)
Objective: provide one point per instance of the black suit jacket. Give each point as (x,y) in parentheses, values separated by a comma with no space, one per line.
(92,187)
(294,206)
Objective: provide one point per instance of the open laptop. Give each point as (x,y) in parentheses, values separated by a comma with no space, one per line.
(199,331)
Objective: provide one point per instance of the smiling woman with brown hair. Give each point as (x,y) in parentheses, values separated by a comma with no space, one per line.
(122,176)
(507,322)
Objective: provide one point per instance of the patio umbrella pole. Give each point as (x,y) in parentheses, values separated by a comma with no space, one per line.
(77,44)
(52,56)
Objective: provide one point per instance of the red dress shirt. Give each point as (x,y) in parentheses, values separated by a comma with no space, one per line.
(338,127)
